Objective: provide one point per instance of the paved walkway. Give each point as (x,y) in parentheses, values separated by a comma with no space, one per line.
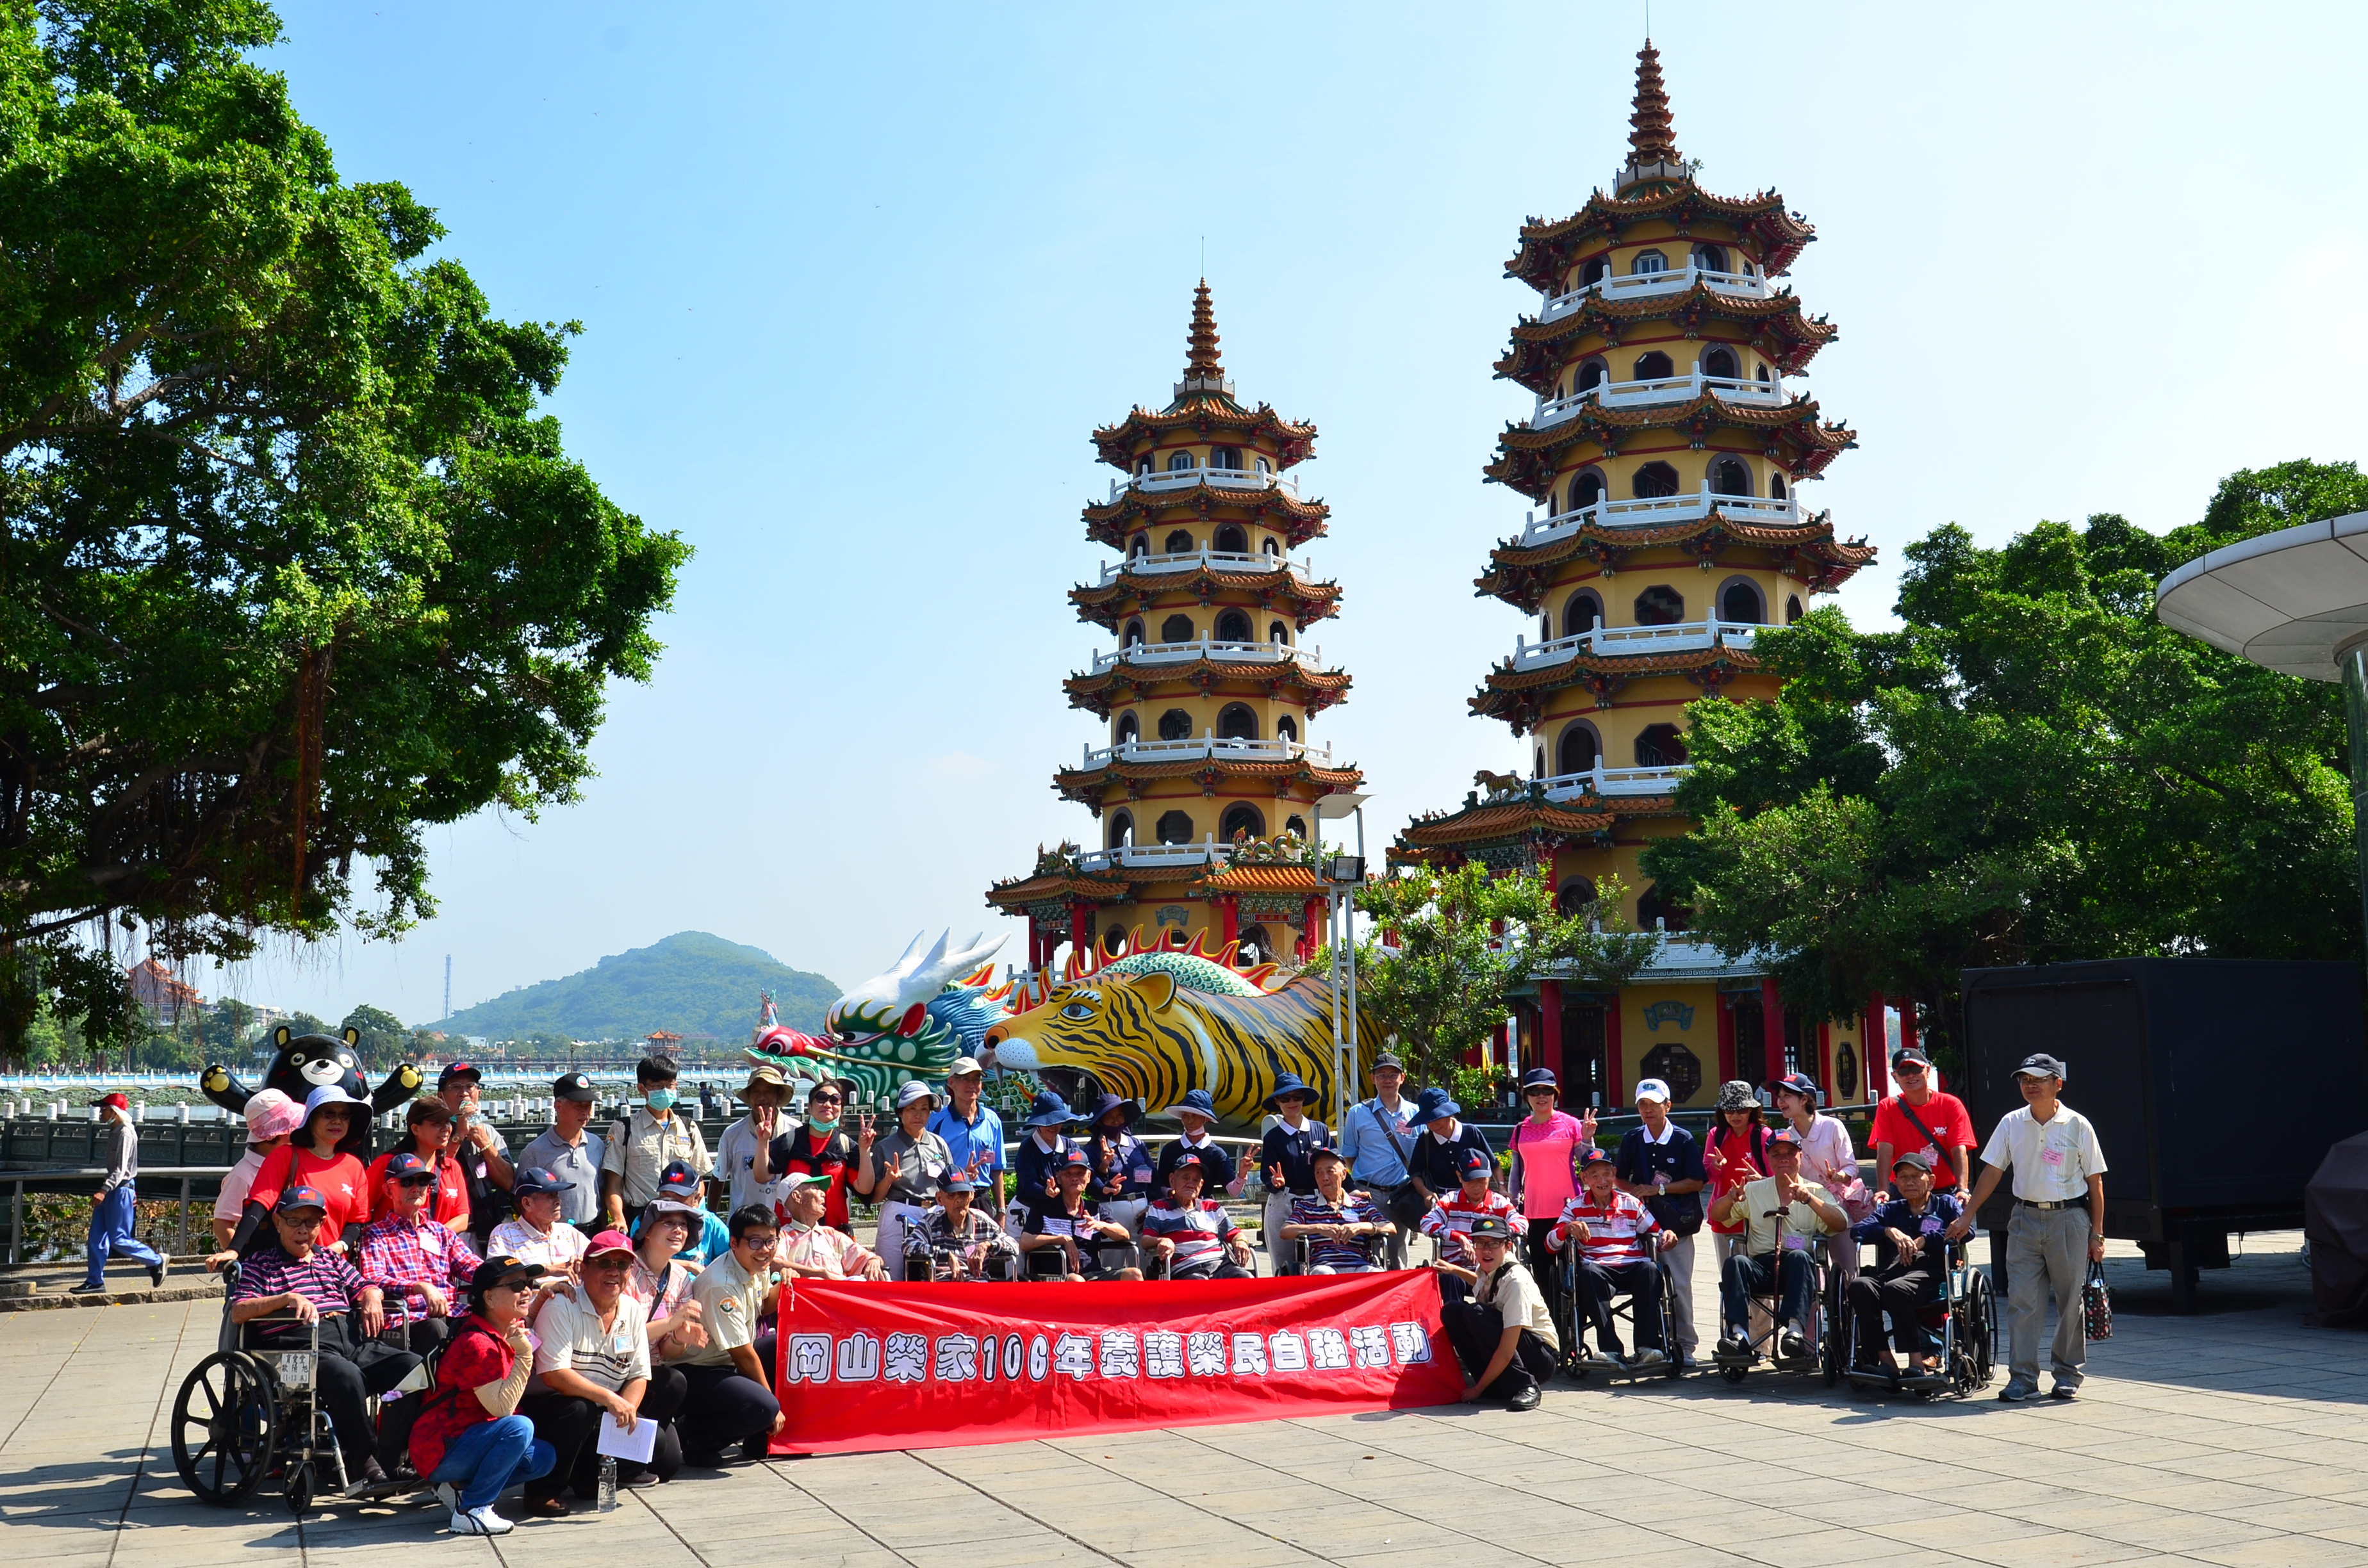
(2232,1437)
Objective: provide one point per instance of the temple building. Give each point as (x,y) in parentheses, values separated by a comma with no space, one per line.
(1664,458)
(1206,776)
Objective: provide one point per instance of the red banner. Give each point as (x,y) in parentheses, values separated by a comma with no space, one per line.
(868,1366)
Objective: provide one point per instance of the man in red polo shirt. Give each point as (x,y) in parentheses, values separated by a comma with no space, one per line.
(1920,1120)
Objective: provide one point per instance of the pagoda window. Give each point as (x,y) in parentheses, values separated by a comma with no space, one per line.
(1296,826)
(1175,726)
(1730,476)
(1265,469)
(1180,462)
(1286,729)
(1761,372)
(1175,629)
(1180,542)
(1791,608)
(1176,827)
(1121,830)
(1720,362)
(1648,261)
(1586,490)
(1134,634)
(1576,894)
(1656,479)
(1277,633)
(1271,547)
(1654,365)
(1590,374)
(1538,765)
(1739,601)
(1581,612)
(1776,485)
(1660,605)
(1233,626)
(1226,458)
(1658,747)
(1578,749)
(1114,939)
(1594,271)
(1138,545)
(1241,821)
(1130,729)
(1232,541)
(1656,911)
(1712,258)
(1237,722)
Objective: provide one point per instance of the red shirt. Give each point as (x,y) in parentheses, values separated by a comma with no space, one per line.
(450,1201)
(477,1355)
(1951,1123)
(1733,1163)
(797,1153)
(340,1178)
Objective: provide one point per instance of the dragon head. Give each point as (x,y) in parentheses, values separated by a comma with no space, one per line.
(897,1003)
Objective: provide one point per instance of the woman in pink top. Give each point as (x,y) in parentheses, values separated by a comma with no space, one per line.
(1544,1177)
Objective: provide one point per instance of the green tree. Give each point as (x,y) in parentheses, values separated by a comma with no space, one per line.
(291,566)
(383,1037)
(1464,938)
(2032,769)
(303,1023)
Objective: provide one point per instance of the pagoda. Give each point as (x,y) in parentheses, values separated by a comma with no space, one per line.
(1664,458)
(1207,775)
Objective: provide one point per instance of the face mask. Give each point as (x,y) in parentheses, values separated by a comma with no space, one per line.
(817,1124)
(659,1099)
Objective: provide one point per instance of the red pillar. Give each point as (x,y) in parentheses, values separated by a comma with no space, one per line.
(1312,921)
(1614,1073)
(1725,1039)
(1549,1034)
(1771,1024)
(1081,930)
(1825,1058)
(1231,909)
(1875,1051)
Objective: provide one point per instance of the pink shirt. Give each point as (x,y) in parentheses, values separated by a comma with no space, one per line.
(1545,1154)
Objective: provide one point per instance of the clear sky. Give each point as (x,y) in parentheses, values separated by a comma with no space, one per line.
(857,281)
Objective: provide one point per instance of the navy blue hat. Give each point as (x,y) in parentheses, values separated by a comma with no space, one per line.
(958,1184)
(1185,1159)
(1289,1084)
(1432,1104)
(407,1167)
(1476,1164)
(1195,1102)
(1110,1103)
(1049,1110)
(1596,1157)
(1539,1078)
(1799,1084)
(1071,1160)
(536,1178)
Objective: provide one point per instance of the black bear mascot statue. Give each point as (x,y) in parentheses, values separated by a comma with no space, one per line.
(304,1062)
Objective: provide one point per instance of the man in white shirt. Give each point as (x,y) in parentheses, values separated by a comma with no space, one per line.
(735,1151)
(2057,1231)
(591,1364)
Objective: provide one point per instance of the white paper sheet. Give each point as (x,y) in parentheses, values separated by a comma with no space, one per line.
(636,1445)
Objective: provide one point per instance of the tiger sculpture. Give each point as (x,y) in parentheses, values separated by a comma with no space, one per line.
(1161,1019)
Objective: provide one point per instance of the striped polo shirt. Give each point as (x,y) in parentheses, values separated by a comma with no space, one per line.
(1199,1233)
(1617,1228)
(1449,1221)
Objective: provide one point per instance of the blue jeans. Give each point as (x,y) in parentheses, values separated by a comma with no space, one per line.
(110,1231)
(490,1458)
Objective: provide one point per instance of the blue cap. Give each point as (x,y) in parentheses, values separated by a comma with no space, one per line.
(1596,1157)
(1476,1164)
(1071,1160)
(1184,1158)
(536,1178)
(1539,1078)
(408,1167)
(301,1197)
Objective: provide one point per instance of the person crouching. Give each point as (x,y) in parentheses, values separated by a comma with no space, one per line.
(592,1364)
(1503,1334)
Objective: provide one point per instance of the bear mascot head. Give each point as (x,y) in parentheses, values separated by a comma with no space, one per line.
(301,1063)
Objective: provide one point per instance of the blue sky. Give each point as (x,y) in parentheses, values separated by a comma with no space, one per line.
(857,281)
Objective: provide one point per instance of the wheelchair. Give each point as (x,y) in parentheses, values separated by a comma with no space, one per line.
(1964,1321)
(1825,1334)
(928,1263)
(1376,1251)
(244,1415)
(1570,1318)
(1052,1263)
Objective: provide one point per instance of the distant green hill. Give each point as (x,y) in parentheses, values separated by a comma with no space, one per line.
(692,983)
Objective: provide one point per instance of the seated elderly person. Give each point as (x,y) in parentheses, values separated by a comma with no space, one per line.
(1618,1241)
(420,1265)
(958,1241)
(294,1276)
(538,1235)
(1782,1216)
(1194,1233)
(1066,1222)
(592,1364)
(1335,1222)
(812,1250)
(1910,1237)
(730,1397)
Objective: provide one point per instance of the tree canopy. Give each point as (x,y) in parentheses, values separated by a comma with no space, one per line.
(2032,769)
(292,564)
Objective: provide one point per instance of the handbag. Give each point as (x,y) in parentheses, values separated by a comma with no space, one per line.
(2097,1304)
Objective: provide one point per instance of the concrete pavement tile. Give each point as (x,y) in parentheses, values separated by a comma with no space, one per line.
(2196,1496)
(2302,1514)
(2282,1551)
(2054,1549)
(1809,1550)
(2179,1532)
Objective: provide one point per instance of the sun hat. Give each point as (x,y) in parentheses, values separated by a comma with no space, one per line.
(1289,1086)
(765,1074)
(915,1091)
(1049,1109)
(1196,1102)
(1736,1094)
(271,1114)
(329,1095)
(1110,1103)
(1434,1103)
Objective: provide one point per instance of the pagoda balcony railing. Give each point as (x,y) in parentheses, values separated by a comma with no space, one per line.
(1208,852)
(1660,389)
(1642,285)
(1210,648)
(1604,641)
(1600,781)
(1215,560)
(1213,747)
(1651,511)
(1222,478)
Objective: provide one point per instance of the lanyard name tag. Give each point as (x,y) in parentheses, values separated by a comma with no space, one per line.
(1795,1243)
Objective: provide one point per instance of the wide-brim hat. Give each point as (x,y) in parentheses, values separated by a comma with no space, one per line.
(1196,1102)
(270,1113)
(1433,1103)
(1736,1094)
(1289,1084)
(765,1073)
(1049,1109)
(329,1095)
(1109,1103)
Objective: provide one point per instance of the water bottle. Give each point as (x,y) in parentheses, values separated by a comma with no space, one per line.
(607,1483)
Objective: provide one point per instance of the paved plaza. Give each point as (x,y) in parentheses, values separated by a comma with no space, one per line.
(2232,1437)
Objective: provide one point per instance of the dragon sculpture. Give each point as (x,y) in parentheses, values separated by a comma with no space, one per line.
(904,1026)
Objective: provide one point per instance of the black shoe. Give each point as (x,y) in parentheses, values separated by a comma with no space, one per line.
(1790,1346)
(1525,1400)
(754,1448)
(1735,1345)
(87,1289)
(155,1277)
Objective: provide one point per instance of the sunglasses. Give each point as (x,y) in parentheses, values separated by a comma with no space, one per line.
(1909,1069)
(415,1181)
(822,1099)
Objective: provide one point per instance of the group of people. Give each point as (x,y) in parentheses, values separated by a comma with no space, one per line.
(584,1284)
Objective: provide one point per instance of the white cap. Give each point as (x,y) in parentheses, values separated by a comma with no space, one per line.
(1653,1089)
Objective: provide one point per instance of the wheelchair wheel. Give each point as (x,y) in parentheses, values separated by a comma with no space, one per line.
(1836,1347)
(1977,1332)
(1733,1374)
(299,1487)
(225,1428)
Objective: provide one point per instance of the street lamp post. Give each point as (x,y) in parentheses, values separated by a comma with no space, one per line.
(1341,876)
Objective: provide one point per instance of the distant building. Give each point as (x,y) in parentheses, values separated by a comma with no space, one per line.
(157,989)
(661,1043)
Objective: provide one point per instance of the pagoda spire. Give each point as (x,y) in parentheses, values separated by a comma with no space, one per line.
(1204,370)
(1652,147)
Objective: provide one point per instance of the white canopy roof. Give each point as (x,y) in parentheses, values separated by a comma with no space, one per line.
(2289,601)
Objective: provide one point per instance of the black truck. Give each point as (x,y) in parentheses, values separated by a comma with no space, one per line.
(2217,1086)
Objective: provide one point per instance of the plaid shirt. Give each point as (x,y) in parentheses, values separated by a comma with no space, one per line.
(324,1279)
(398,1255)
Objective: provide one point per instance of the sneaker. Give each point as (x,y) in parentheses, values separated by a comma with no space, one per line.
(2015,1392)
(2064,1391)
(480,1521)
(87,1288)
(1525,1400)
(1647,1356)
(156,1275)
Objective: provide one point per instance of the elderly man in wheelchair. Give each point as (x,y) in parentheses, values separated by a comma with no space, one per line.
(1609,1245)
(1784,1218)
(297,1296)
(1336,1230)
(955,1240)
(1910,1237)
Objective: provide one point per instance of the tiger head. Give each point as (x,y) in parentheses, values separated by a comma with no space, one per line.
(1120,1034)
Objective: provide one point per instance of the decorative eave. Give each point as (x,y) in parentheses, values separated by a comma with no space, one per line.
(1548,249)
(1779,328)
(1240,880)
(1298,521)
(1518,832)
(1060,886)
(1808,552)
(1206,413)
(1273,591)
(1529,460)
(1088,786)
(1518,697)
(1100,693)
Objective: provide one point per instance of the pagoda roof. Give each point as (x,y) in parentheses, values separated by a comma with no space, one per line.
(1110,522)
(1528,458)
(1087,785)
(1808,552)
(1204,405)
(1517,830)
(1045,888)
(1098,691)
(1308,603)
(1780,329)
(1548,248)
(1258,878)
(1518,696)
